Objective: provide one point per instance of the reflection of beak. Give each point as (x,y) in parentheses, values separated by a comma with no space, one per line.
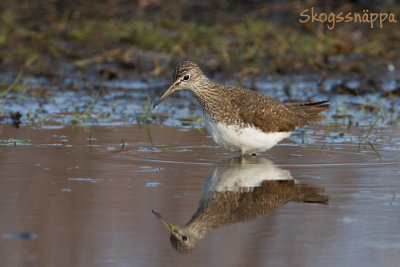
(170,226)
(170,90)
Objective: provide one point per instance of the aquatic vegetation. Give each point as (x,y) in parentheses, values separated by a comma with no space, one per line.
(14,142)
(147,111)
(16,85)
(87,114)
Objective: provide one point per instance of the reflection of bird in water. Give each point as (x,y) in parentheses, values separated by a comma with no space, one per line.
(238,190)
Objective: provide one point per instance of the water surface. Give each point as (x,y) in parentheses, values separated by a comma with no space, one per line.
(76,196)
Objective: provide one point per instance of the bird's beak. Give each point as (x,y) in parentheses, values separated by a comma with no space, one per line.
(170,226)
(170,90)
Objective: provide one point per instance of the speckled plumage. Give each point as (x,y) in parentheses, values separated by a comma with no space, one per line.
(225,105)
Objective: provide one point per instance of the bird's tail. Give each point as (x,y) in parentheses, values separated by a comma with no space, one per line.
(307,194)
(310,111)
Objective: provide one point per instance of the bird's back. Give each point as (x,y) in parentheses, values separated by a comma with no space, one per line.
(244,107)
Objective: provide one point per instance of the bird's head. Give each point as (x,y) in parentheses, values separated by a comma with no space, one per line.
(187,75)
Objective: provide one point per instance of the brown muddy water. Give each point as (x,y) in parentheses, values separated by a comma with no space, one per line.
(76,196)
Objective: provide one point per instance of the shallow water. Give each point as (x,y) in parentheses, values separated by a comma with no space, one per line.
(75,196)
(125,102)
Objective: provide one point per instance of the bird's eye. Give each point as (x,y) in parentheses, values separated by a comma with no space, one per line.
(186,77)
(184,238)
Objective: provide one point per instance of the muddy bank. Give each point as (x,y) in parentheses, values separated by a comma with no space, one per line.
(150,37)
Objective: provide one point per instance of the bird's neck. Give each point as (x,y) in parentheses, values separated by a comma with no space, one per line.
(208,95)
(207,217)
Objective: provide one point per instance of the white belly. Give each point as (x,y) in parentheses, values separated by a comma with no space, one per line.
(245,140)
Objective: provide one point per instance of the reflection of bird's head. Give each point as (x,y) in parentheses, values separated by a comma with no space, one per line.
(183,239)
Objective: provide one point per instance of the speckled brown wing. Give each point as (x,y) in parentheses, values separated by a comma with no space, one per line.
(264,112)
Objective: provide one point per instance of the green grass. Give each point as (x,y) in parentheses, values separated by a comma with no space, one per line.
(16,84)
(231,40)
(87,114)
(145,117)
